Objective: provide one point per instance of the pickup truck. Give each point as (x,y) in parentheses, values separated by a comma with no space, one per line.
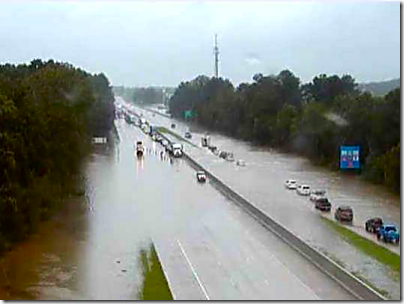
(388,233)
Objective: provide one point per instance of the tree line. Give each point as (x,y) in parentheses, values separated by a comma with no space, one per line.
(313,119)
(49,112)
(143,95)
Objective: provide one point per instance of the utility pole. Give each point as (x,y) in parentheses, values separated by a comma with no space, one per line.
(216,50)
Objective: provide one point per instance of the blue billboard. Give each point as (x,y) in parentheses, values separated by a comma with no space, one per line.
(349,157)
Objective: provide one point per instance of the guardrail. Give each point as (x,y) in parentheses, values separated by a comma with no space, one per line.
(349,282)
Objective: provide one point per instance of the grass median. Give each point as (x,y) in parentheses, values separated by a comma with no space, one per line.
(380,253)
(155,286)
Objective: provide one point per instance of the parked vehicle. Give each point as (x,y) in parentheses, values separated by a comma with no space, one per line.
(139,149)
(223,154)
(344,214)
(212,148)
(303,190)
(323,204)
(316,194)
(373,224)
(230,157)
(165,143)
(188,135)
(240,163)
(205,141)
(291,184)
(201,176)
(388,233)
(146,128)
(173,125)
(159,138)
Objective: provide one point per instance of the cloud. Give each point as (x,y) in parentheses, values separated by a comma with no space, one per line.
(252,59)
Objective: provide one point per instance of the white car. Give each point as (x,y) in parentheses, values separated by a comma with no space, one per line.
(303,190)
(291,184)
(165,142)
(316,194)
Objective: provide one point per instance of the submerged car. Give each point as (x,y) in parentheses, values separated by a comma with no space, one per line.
(388,233)
(291,184)
(373,224)
(240,163)
(323,204)
(230,157)
(201,176)
(317,194)
(303,190)
(212,148)
(344,214)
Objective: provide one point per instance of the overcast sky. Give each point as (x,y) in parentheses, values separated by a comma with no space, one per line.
(163,43)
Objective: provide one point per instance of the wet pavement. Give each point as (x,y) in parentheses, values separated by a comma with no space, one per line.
(209,247)
(261,181)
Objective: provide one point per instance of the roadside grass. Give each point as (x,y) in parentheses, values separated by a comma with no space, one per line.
(155,286)
(165,130)
(380,253)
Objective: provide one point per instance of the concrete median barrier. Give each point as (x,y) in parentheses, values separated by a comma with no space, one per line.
(356,287)
(352,284)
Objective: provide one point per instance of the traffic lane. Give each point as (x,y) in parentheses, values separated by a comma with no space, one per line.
(350,192)
(263,178)
(297,213)
(215,221)
(259,182)
(360,217)
(368,200)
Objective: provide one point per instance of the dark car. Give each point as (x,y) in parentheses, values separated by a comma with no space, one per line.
(173,125)
(212,148)
(344,214)
(201,176)
(374,224)
(188,135)
(323,204)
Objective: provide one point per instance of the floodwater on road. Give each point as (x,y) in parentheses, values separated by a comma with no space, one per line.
(209,247)
(262,182)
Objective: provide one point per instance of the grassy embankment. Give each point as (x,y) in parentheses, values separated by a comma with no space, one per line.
(155,286)
(380,253)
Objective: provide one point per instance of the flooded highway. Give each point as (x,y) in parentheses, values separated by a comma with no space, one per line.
(261,181)
(209,247)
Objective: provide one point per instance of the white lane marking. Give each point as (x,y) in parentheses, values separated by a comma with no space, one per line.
(193,270)
(286,268)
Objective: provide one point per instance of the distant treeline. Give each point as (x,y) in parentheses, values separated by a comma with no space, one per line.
(380,88)
(312,119)
(144,95)
(49,112)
